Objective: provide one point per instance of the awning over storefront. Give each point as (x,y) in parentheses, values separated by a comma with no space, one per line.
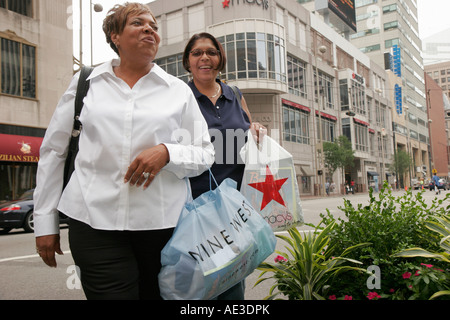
(372,173)
(19,148)
(306,171)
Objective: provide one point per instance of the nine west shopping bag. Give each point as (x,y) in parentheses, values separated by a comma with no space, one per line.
(219,240)
(270,183)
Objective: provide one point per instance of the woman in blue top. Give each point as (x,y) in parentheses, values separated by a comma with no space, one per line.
(228,120)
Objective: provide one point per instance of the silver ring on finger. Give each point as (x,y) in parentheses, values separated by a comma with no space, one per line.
(146,175)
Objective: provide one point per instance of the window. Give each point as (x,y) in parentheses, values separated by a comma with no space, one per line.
(361,137)
(323,89)
(296,76)
(358,98)
(22,7)
(380,115)
(328,129)
(254,55)
(375,47)
(18,68)
(389,8)
(295,125)
(173,65)
(390,25)
(391,42)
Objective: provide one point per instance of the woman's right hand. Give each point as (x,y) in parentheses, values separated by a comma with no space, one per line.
(46,246)
(258,131)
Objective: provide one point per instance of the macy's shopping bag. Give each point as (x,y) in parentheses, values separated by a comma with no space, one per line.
(219,240)
(270,183)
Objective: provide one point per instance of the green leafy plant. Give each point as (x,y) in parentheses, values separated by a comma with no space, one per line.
(440,225)
(390,224)
(306,269)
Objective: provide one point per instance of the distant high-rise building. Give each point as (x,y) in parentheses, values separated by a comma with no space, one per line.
(436,48)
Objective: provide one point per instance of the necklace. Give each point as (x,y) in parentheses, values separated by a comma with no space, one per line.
(217,92)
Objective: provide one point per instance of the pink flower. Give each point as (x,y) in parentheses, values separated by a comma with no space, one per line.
(373,295)
(407,275)
(280,259)
(417,273)
(427,265)
(348,297)
(332,297)
(391,290)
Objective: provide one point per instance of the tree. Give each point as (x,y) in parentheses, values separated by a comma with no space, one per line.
(401,164)
(338,154)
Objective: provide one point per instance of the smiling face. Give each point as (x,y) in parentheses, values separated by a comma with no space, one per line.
(204,67)
(138,38)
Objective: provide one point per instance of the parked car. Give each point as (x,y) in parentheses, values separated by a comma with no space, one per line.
(443,185)
(19,214)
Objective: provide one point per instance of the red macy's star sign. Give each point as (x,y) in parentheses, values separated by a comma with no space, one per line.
(270,188)
(226,3)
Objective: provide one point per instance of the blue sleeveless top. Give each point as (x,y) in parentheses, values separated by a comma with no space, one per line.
(228,125)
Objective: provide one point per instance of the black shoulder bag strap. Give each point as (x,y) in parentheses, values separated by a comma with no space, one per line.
(82,89)
(236,93)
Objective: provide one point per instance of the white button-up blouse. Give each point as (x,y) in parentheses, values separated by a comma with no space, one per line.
(118,124)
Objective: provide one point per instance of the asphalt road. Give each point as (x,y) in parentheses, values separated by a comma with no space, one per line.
(23,276)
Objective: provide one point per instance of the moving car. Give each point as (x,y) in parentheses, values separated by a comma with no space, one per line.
(19,214)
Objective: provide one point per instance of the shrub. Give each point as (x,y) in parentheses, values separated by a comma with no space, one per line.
(308,266)
(390,224)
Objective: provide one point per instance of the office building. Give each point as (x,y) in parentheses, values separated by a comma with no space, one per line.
(440,73)
(391,26)
(437,125)
(36,68)
(436,48)
(294,70)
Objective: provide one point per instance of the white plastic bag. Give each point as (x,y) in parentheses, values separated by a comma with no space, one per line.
(270,183)
(219,240)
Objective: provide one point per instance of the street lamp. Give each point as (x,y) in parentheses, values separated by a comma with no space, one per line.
(97,8)
(322,49)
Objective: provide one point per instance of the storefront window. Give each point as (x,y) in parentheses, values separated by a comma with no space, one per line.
(16,179)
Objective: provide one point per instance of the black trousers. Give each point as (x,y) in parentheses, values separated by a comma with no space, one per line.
(118,265)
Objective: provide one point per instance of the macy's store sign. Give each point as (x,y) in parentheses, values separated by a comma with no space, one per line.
(260,3)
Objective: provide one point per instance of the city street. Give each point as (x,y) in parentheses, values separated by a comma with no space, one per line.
(25,277)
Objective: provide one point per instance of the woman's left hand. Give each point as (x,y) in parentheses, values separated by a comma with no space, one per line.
(258,131)
(147,165)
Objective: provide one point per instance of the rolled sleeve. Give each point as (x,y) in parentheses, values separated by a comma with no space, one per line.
(191,152)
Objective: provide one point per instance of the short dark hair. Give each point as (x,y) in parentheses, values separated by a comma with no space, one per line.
(117,17)
(191,43)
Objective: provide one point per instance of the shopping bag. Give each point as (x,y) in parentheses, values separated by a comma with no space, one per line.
(219,240)
(270,183)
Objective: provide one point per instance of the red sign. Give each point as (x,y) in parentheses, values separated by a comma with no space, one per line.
(19,148)
(259,3)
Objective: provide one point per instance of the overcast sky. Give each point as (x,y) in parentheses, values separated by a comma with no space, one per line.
(434,16)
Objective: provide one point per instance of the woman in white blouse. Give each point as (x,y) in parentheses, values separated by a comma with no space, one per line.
(142,135)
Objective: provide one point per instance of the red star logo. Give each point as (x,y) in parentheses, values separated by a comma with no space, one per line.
(270,188)
(226,3)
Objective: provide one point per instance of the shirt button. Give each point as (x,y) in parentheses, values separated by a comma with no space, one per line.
(218,107)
